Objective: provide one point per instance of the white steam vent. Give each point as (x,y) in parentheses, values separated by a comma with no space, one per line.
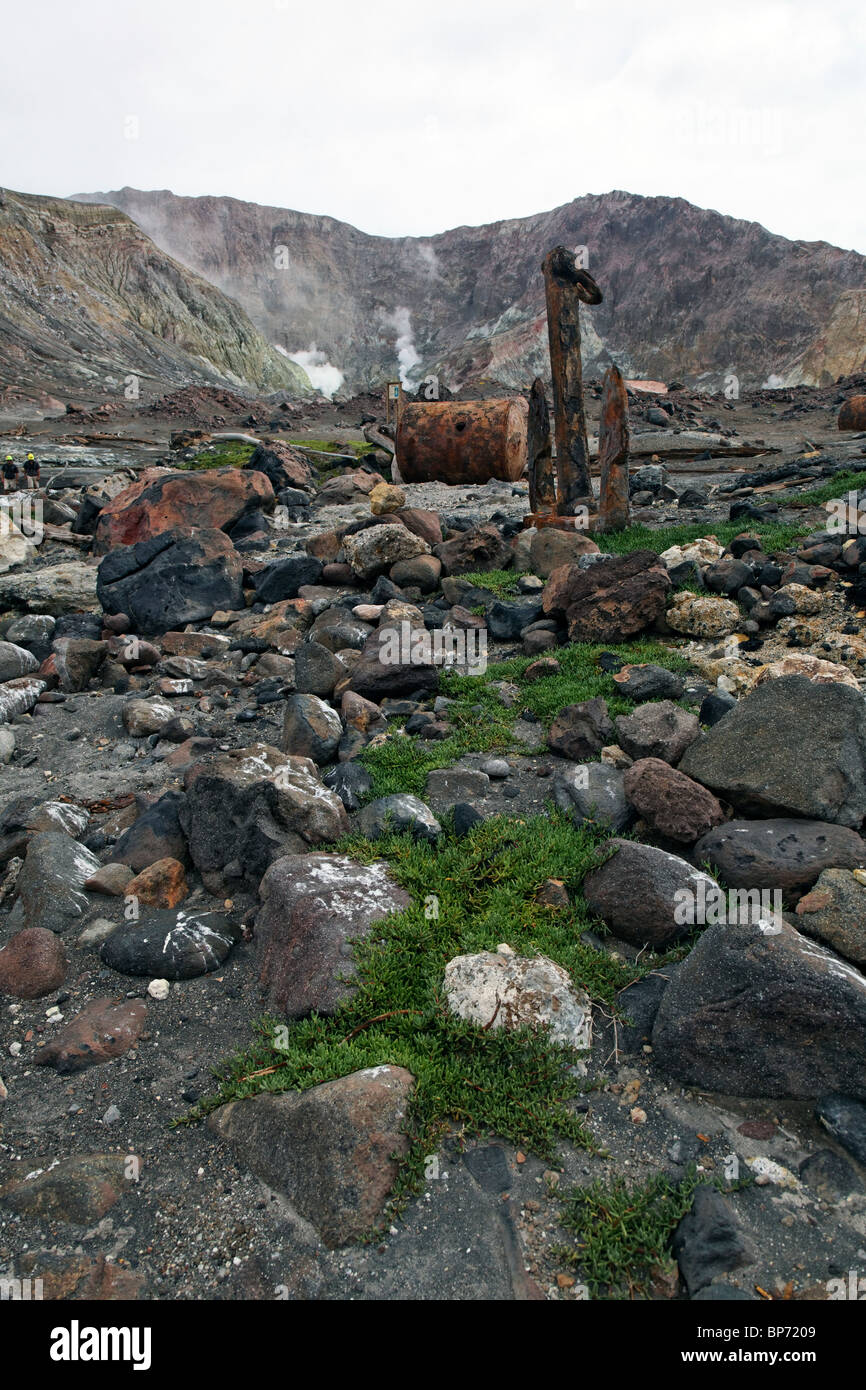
(324,376)
(407,355)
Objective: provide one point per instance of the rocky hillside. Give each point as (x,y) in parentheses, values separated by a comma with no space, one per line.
(688,293)
(87,300)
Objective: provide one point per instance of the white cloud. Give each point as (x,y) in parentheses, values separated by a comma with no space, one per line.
(503,108)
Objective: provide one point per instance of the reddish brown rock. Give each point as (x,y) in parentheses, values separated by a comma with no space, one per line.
(421,523)
(325,547)
(79,1189)
(80,1278)
(164,501)
(669,801)
(611,601)
(852,416)
(162,884)
(480,549)
(32,964)
(102,1031)
(333,1150)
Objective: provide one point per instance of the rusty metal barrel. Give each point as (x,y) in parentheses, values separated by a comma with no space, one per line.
(463,441)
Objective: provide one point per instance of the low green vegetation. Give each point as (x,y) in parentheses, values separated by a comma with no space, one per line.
(502,583)
(838,486)
(482,723)
(467,895)
(774,535)
(622,1235)
(225,453)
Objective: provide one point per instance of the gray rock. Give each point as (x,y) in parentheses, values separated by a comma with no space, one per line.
(657,730)
(845,1119)
(835,912)
(756,1009)
(311,729)
(789,747)
(317,670)
(350,781)
(449,785)
(15,661)
(7,745)
(593,792)
(401,812)
(50,885)
(375,550)
(499,989)
(649,682)
(314,907)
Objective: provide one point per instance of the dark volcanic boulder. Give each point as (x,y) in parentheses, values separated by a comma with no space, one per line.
(784,853)
(789,746)
(314,907)
(284,578)
(639,889)
(756,1009)
(248,807)
(282,465)
(171,580)
(169,944)
(388,665)
(611,600)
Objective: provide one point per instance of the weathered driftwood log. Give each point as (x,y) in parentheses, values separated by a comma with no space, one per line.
(542,477)
(566,288)
(613,453)
(462,441)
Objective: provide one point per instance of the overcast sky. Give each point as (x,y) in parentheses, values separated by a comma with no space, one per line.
(409,118)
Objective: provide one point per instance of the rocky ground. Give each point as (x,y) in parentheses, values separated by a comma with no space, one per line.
(455,900)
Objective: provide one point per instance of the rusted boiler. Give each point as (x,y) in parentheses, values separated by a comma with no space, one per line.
(463,441)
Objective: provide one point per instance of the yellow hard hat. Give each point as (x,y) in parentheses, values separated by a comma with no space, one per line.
(30,458)
(9,458)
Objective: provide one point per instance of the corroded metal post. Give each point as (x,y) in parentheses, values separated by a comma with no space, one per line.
(613,453)
(566,287)
(542,478)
